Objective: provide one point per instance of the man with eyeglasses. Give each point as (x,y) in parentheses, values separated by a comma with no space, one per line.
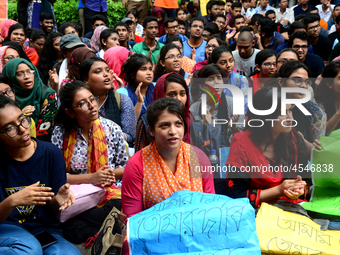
(299,41)
(171,29)
(245,55)
(220,21)
(195,45)
(322,46)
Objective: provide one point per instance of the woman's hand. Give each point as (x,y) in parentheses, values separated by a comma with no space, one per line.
(293,188)
(32,195)
(317,144)
(139,95)
(65,197)
(54,76)
(103,177)
(119,80)
(28,110)
(207,117)
(188,79)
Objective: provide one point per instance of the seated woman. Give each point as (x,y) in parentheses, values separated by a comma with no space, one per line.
(223,57)
(265,62)
(168,85)
(138,76)
(270,149)
(116,107)
(6,54)
(7,89)
(296,74)
(170,60)
(78,128)
(32,187)
(108,39)
(328,95)
(34,98)
(37,40)
(167,157)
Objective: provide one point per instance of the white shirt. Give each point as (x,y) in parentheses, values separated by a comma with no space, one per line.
(326,16)
(288,15)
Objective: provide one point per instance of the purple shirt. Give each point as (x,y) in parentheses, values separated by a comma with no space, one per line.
(96,5)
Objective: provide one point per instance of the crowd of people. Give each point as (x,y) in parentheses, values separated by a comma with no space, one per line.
(121,107)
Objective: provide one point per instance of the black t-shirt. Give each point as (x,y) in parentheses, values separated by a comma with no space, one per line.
(46,165)
(315,64)
(323,47)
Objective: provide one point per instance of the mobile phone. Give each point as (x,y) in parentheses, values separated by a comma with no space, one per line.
(45,239)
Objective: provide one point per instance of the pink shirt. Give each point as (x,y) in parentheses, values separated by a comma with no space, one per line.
(132,188)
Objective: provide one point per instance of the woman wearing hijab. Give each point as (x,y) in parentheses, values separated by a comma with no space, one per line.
(95,39)
(4,27)
(33,97)
(18,48)
(159,14)
(115,57)
(6,54)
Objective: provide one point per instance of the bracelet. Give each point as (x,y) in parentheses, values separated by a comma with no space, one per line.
(329,122)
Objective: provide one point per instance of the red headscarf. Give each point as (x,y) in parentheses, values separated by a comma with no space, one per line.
(4,27)
(161,28)
(159,92)
(115,57)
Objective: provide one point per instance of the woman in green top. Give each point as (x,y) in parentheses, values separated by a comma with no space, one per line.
(33,97)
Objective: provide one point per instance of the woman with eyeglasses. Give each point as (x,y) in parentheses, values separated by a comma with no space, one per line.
(213,42)
(94,152)
(7,89)
(265,62)
(297,74)
(223,57)
(33,97)
(170,60)
(32,187)
(286,55)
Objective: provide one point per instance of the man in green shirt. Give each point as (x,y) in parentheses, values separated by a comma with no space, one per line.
(150,47)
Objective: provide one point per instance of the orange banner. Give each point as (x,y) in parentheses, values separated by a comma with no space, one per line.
(3,10)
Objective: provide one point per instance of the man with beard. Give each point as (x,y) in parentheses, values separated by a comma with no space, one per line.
(244,57)
(150,47)
(195,45)
(300,41)
(123,33)
(322,46)
(213,8)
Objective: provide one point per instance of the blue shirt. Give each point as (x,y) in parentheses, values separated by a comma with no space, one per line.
(258,10)
(163,38)
(200,51)
(274,43)
(285,46)
(330,23)
(298,10)
(96,5)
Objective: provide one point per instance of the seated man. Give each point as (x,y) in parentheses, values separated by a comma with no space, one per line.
(171,29)
(97,20)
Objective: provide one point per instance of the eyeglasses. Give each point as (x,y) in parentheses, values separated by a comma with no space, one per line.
(269,65)
(297,47)
(179,46)
(84,106)
(9,92)
(197,26)
(174,57)
(12,131)
(10,57)
(315,27)
(208,46)
(220,21)
(22,73)
(300,81)
(173,27)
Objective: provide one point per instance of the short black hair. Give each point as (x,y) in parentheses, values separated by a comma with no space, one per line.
(184,1)
(295,25)
(191,7)
(220,3)
(121,24)
(285,50)
(312,9)
(133,12)
(210,4)
(219,15)
(98,17)
(300,17)
(337,19)
(270,12)
(212,28)
(303,36)
(46,15)
(181,22)
(65,25)
(218,38)
(37,34)
(78,27)
(169,20)
(149,19)
(236,5)
(196,19)
(174,38)
(246,28)
(237,17)
(229,1)
(310,18)
(256,17)
(267,26)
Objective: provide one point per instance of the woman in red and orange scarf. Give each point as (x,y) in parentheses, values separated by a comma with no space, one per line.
(165,166)
(94,152)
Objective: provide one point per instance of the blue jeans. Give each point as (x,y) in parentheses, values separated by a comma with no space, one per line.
(16,240)
(170,12)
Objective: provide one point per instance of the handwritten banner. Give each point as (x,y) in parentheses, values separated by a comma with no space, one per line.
(326,178)
(195,223)
(283,232)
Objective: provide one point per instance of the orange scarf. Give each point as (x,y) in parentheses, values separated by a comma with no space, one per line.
(97,156)
(159,182)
